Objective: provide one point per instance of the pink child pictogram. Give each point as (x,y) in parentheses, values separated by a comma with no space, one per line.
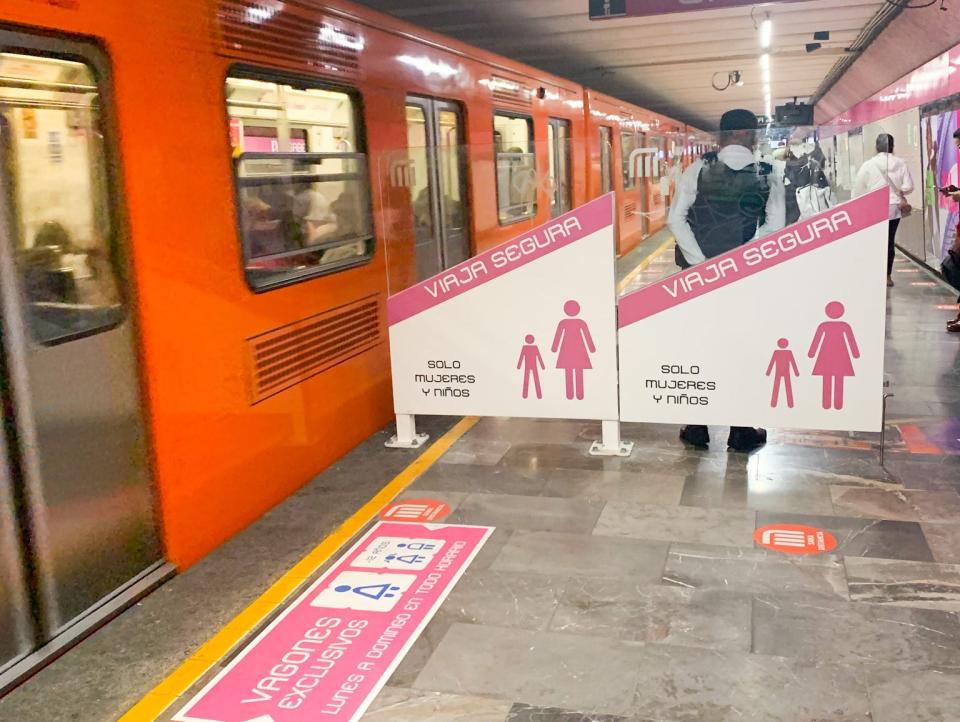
(574,343)
(784,367)
(531,362)
(833,346)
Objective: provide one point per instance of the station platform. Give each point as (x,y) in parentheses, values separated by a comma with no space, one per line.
(612,588)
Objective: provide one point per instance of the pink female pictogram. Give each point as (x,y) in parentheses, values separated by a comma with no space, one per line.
(834,347)
(783,365)
(574,343)
(531,362)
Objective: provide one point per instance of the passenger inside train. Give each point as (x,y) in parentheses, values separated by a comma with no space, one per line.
(267,453)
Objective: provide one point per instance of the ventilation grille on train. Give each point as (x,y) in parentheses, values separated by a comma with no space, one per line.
(289,33)
(285,356)
(508,92)
(629,210)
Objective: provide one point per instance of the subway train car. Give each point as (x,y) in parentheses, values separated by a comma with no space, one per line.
(203,205)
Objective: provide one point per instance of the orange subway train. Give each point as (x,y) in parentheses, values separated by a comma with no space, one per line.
(204,207)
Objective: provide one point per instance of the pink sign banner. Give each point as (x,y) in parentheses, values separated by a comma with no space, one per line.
(328,654)
(816,232)
(500,260)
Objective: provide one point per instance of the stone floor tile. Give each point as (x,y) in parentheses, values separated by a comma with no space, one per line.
(504,599)
(582,555)
(569,671)
(527,431)
(477,478)
(450,498)
(525,456)
(925,472)
(527,713)
(905,505)
(624,609)
(877,538)
(944,541)
(481,451)
(924,695)
(491,549)
(409,705)
(767,492)
(694,685)
(905,584)
(650,488)
(818,629)
(421,651)
(538,513)
(753,571)
(690,524)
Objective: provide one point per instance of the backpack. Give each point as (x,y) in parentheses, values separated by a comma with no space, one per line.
(730,206)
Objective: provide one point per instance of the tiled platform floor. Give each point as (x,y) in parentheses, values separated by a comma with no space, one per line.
(630,589)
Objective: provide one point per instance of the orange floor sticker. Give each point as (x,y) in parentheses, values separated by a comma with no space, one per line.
(795,539)
(415,510)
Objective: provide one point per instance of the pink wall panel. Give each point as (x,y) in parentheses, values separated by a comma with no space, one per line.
(915,60)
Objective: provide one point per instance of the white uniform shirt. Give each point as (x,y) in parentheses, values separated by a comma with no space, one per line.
(735,157)
(873,174)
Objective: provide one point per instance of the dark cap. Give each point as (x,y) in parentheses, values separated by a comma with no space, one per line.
(739,119)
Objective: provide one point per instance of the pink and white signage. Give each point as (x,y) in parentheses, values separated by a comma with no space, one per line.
(785,331)
(525,329)
(332,649)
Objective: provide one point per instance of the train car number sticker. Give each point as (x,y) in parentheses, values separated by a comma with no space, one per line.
(415,510)
(795,539)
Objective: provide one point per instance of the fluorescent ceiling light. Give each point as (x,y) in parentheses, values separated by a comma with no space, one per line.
(766,33)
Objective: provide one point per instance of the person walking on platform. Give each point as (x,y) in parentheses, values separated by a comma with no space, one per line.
(724,200)
(886,169)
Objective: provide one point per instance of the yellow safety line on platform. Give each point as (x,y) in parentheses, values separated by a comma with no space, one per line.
(186,675)
(642,266)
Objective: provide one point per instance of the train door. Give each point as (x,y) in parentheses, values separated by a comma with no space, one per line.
(606,159)
(435,141)
(74,452)
(558,140)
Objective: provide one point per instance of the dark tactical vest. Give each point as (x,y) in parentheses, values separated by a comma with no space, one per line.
(730,205)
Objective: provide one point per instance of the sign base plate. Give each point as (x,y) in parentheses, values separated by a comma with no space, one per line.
(624,448)
(418,440)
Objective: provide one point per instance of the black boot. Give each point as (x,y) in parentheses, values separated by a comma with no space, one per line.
(695,435)
(745,438)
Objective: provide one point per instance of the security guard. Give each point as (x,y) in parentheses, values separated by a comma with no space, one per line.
(724,200)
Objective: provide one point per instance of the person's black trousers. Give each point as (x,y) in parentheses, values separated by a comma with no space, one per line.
(891,237)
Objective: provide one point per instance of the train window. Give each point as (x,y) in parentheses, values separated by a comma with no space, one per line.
(628,144)
(516,167)
(302,180)
(558,140)
(606,159)
(61,214)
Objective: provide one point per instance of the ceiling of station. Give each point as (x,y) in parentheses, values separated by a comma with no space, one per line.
(664,62)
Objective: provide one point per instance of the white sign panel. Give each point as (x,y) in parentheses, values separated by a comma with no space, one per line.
(785,331)
(525,329)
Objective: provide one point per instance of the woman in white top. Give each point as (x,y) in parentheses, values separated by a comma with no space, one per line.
(886,169)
